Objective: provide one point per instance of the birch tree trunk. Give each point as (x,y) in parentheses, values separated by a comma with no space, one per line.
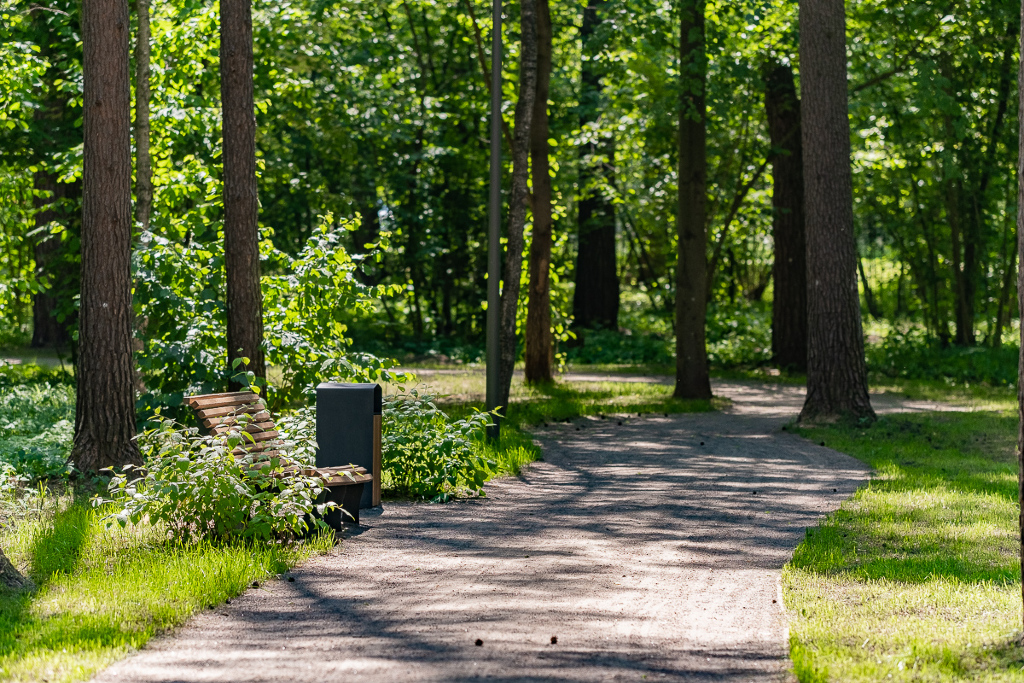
(519,196)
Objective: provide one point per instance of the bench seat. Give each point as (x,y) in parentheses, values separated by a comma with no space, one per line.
(219,412)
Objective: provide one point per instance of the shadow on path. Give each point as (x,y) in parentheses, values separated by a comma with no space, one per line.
(649,549)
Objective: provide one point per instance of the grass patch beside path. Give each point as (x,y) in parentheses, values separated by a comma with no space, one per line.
(105,593)
(917,577)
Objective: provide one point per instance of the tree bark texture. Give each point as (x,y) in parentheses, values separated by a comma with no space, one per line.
(595,301)
(836,372)
(47,331)
(143,162)
(519,195)
(10,577)
(241,205)
(105,408)
(1020,300)
(789,270)
(692,379)
(539,350)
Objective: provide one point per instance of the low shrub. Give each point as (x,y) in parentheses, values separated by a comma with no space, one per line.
(429,455)
(36,431)
(196,486)
(913,355)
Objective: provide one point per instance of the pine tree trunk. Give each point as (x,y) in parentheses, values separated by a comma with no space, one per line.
(143,163)
(836,372)
(105,409)
(55,202)
(539,351)
(692,379)
(47,332)
(519,196)
(1020,298)
(10,577)
(789,307)
(241,206)
(595,301)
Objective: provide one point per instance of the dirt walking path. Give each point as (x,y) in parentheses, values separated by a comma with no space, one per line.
(650,549)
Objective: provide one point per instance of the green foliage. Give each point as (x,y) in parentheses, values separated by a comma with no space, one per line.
(309,302)
(917,576)
(913,355)
(611,346)
(427,454)
(104,592)
(307,309)
(36,431)
(197,487)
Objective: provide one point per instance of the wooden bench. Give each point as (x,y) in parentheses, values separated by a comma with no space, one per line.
(218,413)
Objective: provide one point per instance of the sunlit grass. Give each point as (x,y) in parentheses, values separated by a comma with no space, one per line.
(532,405)
(917,577)
(104,593)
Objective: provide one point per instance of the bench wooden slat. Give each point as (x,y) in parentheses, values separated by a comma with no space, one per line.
(256,448)
(230,410)
(218,402)
(229,420)
(198,397)
(219,412)
(252,427)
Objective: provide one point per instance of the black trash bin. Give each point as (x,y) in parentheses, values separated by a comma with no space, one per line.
(348,424)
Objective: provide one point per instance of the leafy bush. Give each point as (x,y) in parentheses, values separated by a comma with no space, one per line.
(36,431)
(426,454)
(198,488)
(308,303)
(307,311)
(612,346)
(740,334)
(914,355)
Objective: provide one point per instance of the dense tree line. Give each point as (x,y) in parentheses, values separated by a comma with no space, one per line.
(655,153)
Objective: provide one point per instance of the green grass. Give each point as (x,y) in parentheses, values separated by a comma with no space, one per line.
(917,577)
(104,593)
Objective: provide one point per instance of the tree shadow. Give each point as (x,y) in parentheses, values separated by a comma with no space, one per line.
(58,548)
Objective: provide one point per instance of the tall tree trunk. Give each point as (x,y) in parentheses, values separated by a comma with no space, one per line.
(241,206)
(1020,297)
(837,383)
(692,380)
(47,332)
(105,409)
(519,196)
(595,301)
(789,270)
(54,201)
(539,351)
(143,164)
(962,290)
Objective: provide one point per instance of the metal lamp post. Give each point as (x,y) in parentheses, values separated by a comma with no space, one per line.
(494,228)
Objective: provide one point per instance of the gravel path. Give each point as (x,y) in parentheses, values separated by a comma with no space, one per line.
(650,549)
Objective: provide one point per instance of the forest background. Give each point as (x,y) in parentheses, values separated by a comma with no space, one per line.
(380,110)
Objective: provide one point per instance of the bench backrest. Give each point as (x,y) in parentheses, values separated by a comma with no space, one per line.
(219,412)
